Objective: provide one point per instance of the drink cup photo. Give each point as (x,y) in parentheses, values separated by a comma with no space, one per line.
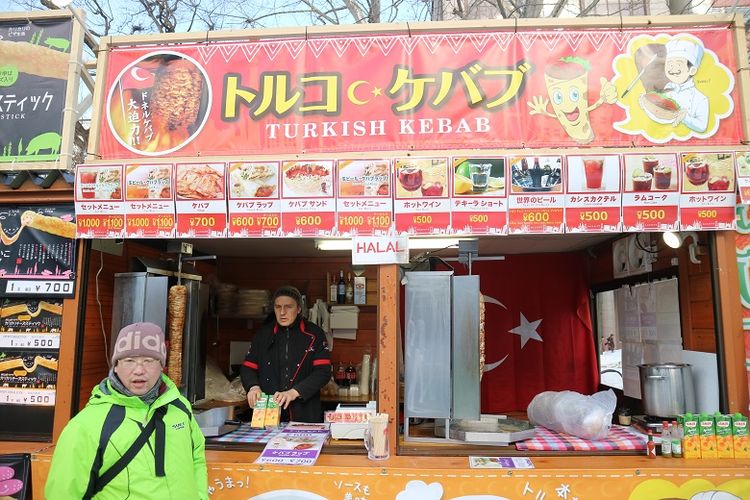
(696,172)
(642,182)
(593,169)
(649,164)
(376,437)
(663,177)
(480,173)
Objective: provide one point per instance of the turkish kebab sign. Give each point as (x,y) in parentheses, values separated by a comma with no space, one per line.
(435,195)
(423,91)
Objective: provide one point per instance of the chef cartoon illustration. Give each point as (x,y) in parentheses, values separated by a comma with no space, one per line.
(682,60)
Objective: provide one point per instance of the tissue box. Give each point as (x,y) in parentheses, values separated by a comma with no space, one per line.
(344,317)
(360,290)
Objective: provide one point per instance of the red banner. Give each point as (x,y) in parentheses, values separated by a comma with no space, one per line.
(423,91)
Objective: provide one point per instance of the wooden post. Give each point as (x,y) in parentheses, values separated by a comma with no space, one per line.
(68,349)
(388,331)
(731,322)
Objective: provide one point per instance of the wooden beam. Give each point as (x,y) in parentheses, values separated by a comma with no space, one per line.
(68,349)
(733,337)
(70,113)
(743,73)
(97,112)
(388,331)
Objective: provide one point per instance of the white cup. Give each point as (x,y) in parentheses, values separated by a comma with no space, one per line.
(376,437)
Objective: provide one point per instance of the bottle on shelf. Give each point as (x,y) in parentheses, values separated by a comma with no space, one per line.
(332,292)
(341,289)
(676,435)
(351,374)
(666,440)
(651,446)
(349,298)
(340,376)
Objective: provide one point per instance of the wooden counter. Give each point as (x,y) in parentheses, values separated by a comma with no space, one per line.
(233,475)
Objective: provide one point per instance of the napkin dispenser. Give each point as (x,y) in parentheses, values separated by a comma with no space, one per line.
(348,421)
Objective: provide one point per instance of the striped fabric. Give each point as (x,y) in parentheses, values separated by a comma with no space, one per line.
(619,438)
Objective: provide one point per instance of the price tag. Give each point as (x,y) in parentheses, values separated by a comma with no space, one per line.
(642,215)
(29,340)
(201,225)
(308,224)
(541,220)
(423,223)
(144,224)
(708,215)
(27,397)
(364,223)
(480,222)
(652,192)
(536,202)
(593,199)
(422,204)
(592,220)
(100,212)
(254,207)
(33,288)
(201,210)
(255,224)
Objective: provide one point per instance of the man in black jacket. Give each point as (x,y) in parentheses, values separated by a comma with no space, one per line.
(288,359)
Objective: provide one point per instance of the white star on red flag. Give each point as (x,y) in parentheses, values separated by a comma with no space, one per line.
(527,330)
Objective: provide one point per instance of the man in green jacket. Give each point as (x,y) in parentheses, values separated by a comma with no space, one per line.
(136,438)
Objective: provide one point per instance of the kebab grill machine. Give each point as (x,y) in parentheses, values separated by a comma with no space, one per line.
(170,294)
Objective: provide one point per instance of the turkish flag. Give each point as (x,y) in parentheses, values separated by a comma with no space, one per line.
(544,299)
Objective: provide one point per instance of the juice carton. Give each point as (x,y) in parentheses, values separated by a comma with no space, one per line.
(259,412)
(724,444)
(740,436)
(273,414)
(707,436)
(691,444)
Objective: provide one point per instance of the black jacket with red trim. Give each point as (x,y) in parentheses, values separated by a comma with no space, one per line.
(281,358)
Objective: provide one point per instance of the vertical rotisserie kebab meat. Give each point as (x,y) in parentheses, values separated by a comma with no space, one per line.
(176,96)
(176,303)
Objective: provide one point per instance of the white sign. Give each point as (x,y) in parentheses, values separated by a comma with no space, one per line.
(12,340)
(48,287)
(27,396)
(367,250)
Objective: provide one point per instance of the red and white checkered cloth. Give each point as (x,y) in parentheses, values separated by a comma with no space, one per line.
(619,438)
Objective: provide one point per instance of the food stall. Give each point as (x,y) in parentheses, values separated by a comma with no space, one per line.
(515,133)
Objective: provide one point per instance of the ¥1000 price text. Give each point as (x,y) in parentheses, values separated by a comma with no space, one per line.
(166,221)
(108,222)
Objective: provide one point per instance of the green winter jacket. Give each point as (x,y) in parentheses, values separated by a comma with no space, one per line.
(185,476)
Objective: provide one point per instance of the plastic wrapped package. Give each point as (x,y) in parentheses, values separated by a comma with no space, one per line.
(588,417)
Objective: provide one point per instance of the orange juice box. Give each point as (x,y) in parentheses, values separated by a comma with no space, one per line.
(259,412)
(707,436)
(273,414)
(691,444)
(740,436)
(724,443)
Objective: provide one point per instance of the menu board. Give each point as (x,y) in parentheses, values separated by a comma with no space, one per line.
(37,251)
(100,210)
(743,175)
(593,202)
(536,202)
(308,204)
(479,203)
(364,204)
(652,192)
(254,206)
(149,201)
(422,204)
(708,191)
(200,200)
(28,377)
(30,315)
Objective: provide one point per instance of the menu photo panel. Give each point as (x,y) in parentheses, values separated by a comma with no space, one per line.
(201,200)
(422,204)
(100,210)
(536,201)
(149,201)
(308,204)
(479,203)
(593,200)
(364,205)
(254,206)
(652,192)
(708,199)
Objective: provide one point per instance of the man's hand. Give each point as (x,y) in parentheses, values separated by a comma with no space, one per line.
(284,398)
(252,395)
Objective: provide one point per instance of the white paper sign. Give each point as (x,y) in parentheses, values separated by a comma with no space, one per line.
(367,250)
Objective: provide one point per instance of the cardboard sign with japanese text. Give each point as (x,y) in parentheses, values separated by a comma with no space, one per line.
(364,204)
(422,205)
(308,206)
(708,197)
(254,206)
(100,211)
(479,204)
(201,200)
(594,198)
(149,201)
(490,87)
(536,202)
(652,192)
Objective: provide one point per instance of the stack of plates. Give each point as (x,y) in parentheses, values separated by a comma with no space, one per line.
(252,302)
(226,299)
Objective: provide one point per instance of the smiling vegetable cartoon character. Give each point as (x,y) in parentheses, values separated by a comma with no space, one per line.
(567,82)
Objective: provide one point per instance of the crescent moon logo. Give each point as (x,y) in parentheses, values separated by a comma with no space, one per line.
(351,93)
(137,77)
(492,366)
